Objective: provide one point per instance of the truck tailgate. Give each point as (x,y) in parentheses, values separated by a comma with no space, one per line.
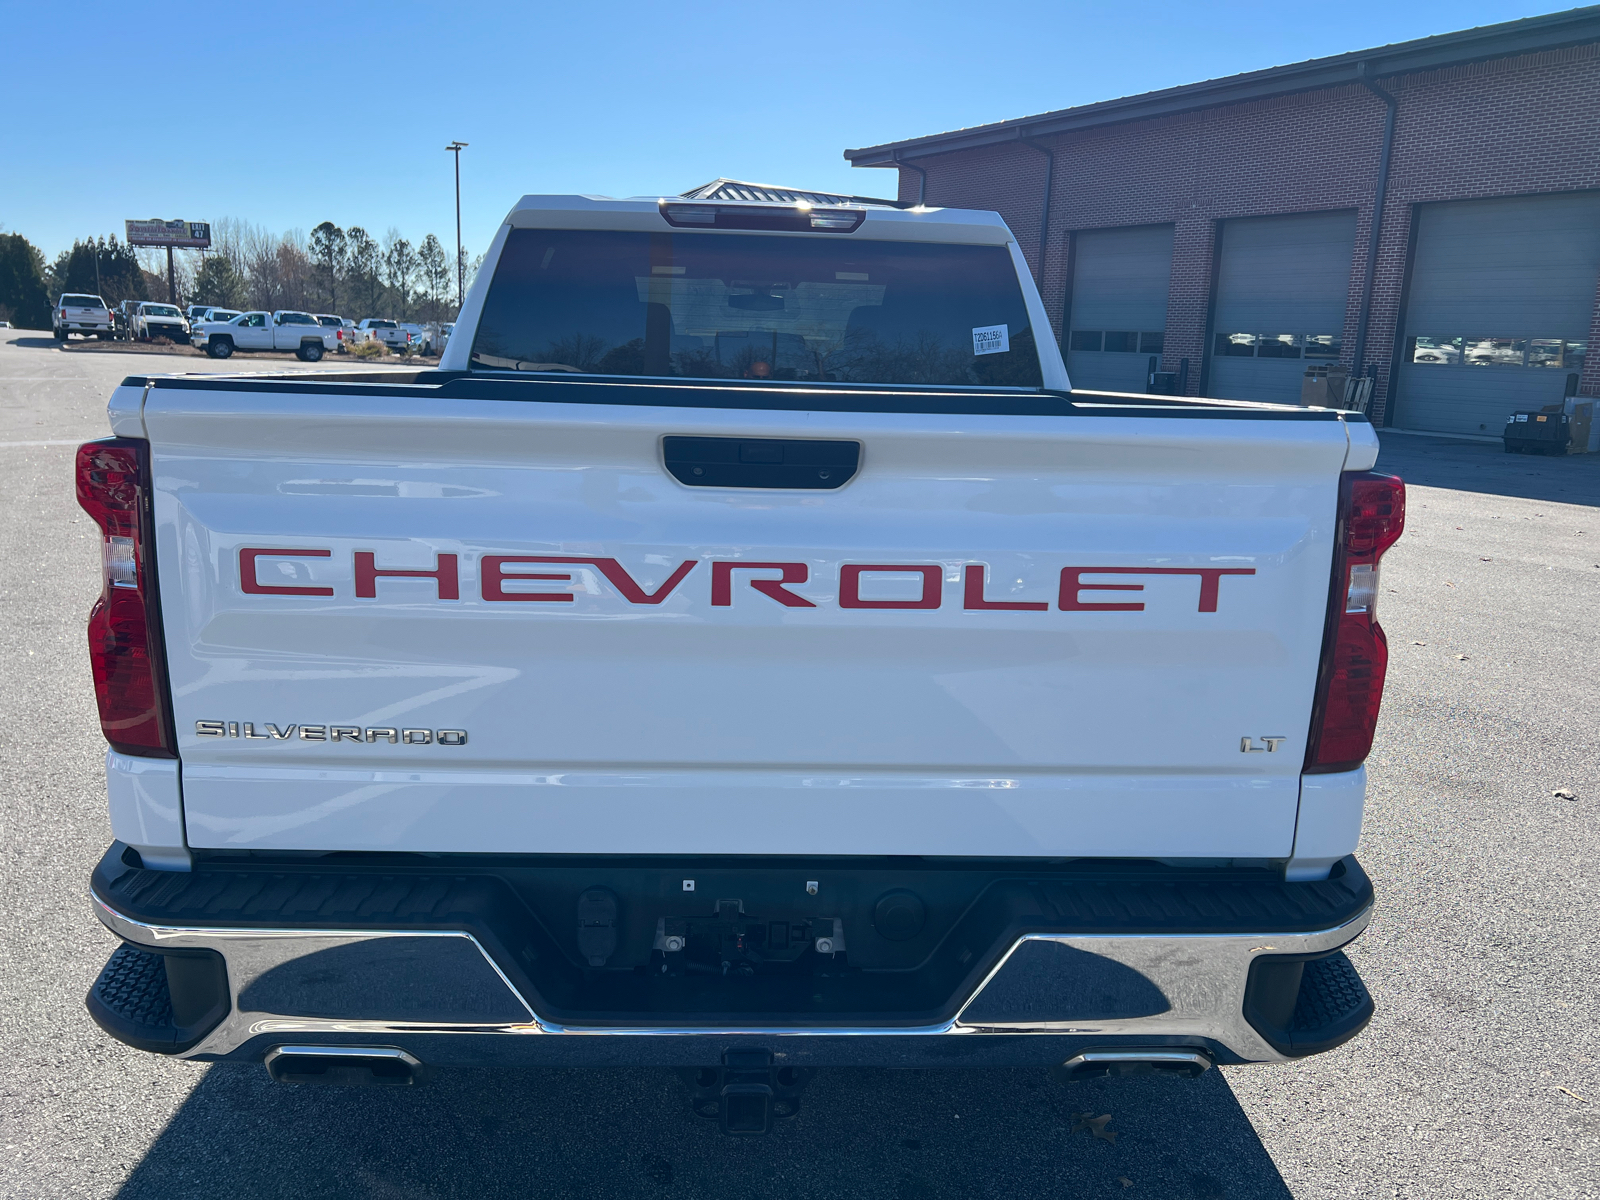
(1166,572)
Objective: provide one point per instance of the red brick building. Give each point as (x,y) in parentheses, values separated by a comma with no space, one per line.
(1224,230)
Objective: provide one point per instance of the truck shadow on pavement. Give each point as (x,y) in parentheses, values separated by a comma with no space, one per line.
(899,1135)
(1485,467)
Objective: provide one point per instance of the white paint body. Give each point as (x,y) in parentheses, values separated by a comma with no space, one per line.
(599,726)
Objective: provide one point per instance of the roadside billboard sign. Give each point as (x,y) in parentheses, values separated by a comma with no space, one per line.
(192,235)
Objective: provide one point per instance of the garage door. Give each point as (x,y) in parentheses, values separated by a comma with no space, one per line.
(1119,306)
(1502,293)
(1283,284)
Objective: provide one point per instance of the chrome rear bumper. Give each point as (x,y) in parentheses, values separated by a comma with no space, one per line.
(311,985)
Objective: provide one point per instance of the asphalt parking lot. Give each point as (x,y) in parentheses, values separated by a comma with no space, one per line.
(1479,1077)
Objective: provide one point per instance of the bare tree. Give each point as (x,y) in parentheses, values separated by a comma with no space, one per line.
(228,238)
(296,275)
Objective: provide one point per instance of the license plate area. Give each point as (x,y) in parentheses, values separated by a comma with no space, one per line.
(731,942)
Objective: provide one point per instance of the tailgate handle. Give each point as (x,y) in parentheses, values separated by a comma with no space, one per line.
(805,463)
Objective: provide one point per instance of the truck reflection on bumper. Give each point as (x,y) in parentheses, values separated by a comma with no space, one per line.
(458,965)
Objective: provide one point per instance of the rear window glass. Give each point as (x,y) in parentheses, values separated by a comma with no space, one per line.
(381,325)
(82,302)
(803,308)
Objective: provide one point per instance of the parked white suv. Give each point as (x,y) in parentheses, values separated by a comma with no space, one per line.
(76,312)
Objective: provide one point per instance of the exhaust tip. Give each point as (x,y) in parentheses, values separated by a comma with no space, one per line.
(344,1066)
(1094,1064)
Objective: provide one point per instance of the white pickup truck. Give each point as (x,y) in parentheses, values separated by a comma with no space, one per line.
(79,313)
(284,330)
(744,653)
(377,329)
(151,320)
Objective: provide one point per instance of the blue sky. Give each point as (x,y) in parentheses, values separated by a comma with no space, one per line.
(285,114)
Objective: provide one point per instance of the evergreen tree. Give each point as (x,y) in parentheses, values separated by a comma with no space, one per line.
(218,283)
(435,269)
(118,277)
(400,267)
(330,252)
(23,299)
(364,284)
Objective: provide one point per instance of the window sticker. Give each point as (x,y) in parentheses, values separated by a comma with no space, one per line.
(991,339)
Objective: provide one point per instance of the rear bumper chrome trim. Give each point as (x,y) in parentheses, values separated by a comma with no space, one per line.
(1200,978)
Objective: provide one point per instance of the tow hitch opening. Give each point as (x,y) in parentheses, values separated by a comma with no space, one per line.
(747,1093)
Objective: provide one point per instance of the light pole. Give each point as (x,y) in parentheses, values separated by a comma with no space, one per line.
(461,268)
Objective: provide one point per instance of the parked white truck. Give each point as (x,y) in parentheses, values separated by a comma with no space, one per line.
(79,313)
(151,320)
(745,653)
(378,329)
(284,330)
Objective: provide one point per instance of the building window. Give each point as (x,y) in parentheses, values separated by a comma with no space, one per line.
(1497,352)
(1546,352)
(1435,351)
(1277,345)
(1117,341)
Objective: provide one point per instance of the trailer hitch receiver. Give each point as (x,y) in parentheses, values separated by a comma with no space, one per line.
(747,1093)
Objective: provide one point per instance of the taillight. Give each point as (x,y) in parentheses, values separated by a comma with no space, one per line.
(124,633)
(1355,654)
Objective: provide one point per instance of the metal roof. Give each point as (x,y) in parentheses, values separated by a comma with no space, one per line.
(1575,27)
(737,189)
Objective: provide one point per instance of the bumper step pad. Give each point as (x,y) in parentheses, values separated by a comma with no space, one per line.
(1332,999)
(1305,1005)
(133,1001)
(132,990)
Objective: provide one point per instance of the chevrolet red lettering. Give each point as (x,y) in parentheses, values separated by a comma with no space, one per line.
(930,576)
(844,687)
